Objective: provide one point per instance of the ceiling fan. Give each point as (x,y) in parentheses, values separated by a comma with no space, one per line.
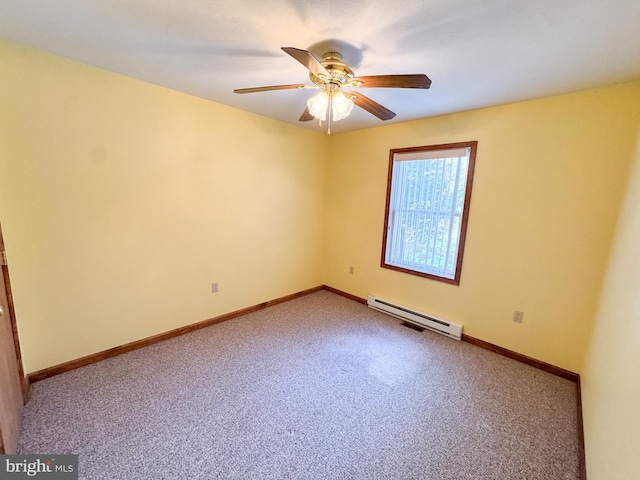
(331,75)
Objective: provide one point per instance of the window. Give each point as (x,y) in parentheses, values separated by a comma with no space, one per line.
(428,194)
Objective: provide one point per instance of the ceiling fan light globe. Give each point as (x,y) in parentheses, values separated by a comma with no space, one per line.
(318,105)
(341,106)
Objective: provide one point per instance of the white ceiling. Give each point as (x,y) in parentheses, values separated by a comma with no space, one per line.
(477,52)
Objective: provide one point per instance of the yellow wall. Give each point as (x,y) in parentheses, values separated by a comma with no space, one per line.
(549,181)
(611,381)
(121,202)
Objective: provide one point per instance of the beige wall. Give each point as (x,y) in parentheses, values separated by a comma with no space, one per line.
(549,181)
(121,202)
(611,381)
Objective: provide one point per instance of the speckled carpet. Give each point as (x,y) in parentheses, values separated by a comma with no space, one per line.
(320,387)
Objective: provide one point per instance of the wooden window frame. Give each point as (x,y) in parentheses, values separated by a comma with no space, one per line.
(473,146)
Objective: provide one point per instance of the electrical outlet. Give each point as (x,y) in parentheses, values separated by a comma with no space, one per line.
(214,287)
(351,270)
(517,316)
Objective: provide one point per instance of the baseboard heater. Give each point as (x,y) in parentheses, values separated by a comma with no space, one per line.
(427,321)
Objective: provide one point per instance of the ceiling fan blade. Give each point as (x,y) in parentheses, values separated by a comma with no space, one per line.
(273,87)
(308,60)
(372,107)
(306,116)
(418,80)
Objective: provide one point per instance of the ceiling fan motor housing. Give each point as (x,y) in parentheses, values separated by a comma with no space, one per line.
(340,72)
